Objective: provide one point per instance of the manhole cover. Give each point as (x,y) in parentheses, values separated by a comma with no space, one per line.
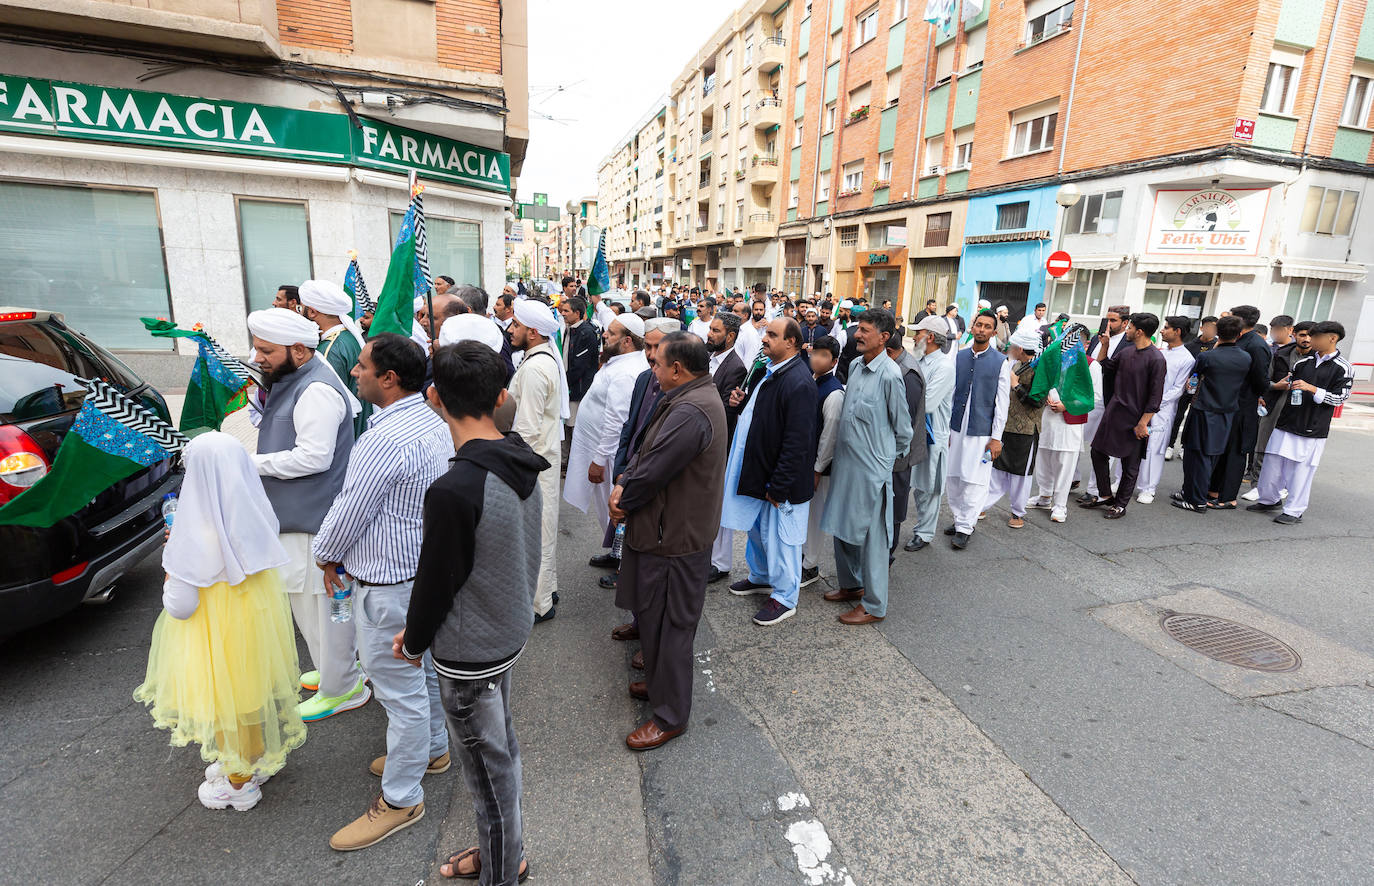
(1230,642)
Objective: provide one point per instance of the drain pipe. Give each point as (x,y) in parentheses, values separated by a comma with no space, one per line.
(816,163)
(921,115)
(1073,82)
(1321,79)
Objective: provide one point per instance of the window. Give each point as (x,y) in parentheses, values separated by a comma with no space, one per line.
(885,166)
(1309,298)
(275,239)
(727,65)
(744,109)
(793,196)
(1357,97)
(894,86)
(865,26)
(900,12)
(797,133)
(1328,211)
(937,229)
(1281,83)
(743,163)
(854,176)
(823,189)
(935,155)
(739,214)
(849,236)
(109,270)
(829,117)
(963,147)
(886,234)
(1011,216)
(836,45)
(725,116)
(1082,297)
(1048,24)
(748,54)
(455,246)
(1094,214)
(944,62)
(1033,128)
(974,48)
(720,216)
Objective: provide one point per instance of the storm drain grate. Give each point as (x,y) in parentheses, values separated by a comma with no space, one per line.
(1230,642)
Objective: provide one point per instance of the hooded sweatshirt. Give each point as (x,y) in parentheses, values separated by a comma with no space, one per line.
(473,600)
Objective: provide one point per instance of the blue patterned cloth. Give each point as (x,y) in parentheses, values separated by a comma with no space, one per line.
(114,438)
(218,371)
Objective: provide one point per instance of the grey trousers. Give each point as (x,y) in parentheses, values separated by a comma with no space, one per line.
(865,565)
(1266,428)
(415,731)
(479,715)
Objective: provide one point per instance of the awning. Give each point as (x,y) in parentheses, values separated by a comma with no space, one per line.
(1324,270)
(1201,264)
(1100,261)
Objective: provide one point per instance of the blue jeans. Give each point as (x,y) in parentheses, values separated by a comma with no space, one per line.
(415,730)
(774,551)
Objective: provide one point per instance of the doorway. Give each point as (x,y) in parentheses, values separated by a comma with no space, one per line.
(1188,295)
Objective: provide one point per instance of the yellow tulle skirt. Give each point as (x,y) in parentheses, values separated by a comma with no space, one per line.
(227,677)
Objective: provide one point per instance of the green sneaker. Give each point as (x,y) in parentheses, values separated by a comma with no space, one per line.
(317,706)
(310,681)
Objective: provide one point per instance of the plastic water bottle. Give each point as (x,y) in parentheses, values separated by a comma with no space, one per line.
(618,544)
(1259,408)
(987,456)
(341,599)
(169,508)
(1192,384)
(1295,397)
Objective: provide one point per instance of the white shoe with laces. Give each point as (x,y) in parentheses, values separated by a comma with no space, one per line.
(221,794)
(1145,498)
(1252,495)
(1041,503)
(215,770)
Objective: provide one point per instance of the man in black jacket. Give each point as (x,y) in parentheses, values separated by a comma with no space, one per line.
(1226,476)
(581,348)
(769,478)
(1220,374)
(1319,383)
(1283,333)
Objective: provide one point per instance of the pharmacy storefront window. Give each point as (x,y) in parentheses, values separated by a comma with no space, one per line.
(455,247)
(93,254)
(275,237)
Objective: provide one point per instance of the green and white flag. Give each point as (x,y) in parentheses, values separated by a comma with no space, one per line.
(219,381)
(407,277)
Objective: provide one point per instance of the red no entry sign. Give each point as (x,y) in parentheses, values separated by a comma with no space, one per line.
(1059,264)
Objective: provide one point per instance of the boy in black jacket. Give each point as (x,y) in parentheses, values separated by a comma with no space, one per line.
(473,595)
(1318,384)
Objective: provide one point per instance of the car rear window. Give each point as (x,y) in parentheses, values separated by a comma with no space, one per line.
(39,365)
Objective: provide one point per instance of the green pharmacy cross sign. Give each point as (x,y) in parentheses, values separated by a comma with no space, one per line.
(97,113)
(540,212)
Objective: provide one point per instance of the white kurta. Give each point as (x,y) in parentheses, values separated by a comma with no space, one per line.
(596,435)
(1178,366)
(747,344)
(966,451)
(700,328)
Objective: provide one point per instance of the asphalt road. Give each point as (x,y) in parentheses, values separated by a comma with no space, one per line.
(1019,717)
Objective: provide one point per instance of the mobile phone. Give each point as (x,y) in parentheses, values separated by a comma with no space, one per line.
(1102,327)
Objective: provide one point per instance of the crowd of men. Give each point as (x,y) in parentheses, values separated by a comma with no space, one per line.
(429,470)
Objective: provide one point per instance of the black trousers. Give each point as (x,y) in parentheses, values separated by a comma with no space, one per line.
(901,497)
(667,595)
(1204,437)
(1130,471)
(1240,443)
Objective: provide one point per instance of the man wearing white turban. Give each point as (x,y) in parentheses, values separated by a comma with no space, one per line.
(540,390)
(325,304)
(604,410)
(304,441)
(1015,464)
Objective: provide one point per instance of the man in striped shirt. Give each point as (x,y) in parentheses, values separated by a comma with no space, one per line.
(373,531)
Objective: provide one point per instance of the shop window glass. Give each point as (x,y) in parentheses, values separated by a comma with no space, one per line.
(455,247)
(275,237)
(93,254)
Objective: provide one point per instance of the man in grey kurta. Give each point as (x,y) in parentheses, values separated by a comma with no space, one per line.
(928,477)
(874,427)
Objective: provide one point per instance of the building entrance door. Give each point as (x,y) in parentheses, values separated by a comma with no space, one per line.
(1189,295)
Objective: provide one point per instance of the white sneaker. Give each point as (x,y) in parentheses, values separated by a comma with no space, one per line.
(1145,498)
(1252,495)
(221,794)
(215,770)
(1283,493)
(1057,517)
(1168,453)
(1041,504)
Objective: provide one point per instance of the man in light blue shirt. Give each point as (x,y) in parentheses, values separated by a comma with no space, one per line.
(928,477)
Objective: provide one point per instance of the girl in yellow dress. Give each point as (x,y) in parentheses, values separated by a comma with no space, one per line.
(222,668)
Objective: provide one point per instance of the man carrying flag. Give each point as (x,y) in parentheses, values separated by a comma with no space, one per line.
(1063,381)
(326,305)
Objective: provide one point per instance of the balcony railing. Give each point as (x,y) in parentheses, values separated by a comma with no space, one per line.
(706,135)
(704,181)
(765,160)
(703,228)
(761,218)
(938,237)
(774,41)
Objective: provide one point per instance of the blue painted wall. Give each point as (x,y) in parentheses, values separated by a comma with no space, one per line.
(1003,262)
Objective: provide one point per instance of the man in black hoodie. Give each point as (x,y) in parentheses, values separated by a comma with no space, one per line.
(473,595)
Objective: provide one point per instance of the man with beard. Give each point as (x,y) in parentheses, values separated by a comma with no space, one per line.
(325,304)
(727,371)
(701,326)
(304,441)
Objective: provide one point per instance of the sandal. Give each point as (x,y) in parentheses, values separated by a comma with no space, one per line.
(1221,506)
(474,853)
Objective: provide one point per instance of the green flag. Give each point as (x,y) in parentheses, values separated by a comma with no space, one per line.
(219,382)
(1064,366)
(599,277)
(113,437)
(407,277)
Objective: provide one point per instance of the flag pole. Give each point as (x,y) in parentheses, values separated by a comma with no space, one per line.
(415,189)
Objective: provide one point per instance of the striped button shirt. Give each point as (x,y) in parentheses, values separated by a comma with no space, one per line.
(374,526)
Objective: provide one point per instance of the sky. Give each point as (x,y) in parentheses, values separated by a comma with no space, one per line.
(595,68)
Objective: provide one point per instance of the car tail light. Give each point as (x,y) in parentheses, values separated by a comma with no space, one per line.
(22,463)
(69,573)
(7,316)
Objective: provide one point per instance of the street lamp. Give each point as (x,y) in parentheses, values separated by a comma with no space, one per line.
(1067,195)
(739,262)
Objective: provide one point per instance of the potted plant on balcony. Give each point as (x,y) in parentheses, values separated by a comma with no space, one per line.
(858,114)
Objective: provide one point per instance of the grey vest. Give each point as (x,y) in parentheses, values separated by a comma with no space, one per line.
(976,379)
(302,502)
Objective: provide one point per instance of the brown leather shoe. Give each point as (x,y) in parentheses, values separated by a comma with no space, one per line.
(844,595)
(640,690)
(625,632)
(649,736)
(859,616)
(637,662)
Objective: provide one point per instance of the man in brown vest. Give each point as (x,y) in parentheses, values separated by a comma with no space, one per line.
(669,499)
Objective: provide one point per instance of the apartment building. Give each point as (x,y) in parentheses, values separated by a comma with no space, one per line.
(1188,156)
(183,158)
(632,180)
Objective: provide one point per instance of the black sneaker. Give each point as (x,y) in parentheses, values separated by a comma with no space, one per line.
(810,576)
(604,561)
(1261,506)
(950,530)
(1287,519)
(744,588)
(716,575)
(960,541)
(772,613)
(609,581)
(915,544)
(547,616)
(1176,496)
(1188,506)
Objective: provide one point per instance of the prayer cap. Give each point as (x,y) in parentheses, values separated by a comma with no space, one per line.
(471,327)
(664,325)
(282,327)
(632,323)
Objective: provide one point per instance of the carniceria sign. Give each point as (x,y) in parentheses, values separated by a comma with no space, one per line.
(97,113)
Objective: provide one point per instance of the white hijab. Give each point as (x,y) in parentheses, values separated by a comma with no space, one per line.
(225,529)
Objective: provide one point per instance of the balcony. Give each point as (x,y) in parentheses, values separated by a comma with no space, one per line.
(761,224)
(708,86)
(246,28)
(772,54)
(704,181)
(703,227)
(768,113)
(706,136)
(765,170)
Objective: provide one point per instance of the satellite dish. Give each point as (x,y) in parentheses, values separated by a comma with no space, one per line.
(590,235)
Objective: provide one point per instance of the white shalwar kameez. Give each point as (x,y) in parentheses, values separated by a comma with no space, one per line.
(1057,459)
(605,409)
(969,474)
(1290,462)
(1178,366)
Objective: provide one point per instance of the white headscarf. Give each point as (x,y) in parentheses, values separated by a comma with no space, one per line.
(282,327)
(329,298)
(225,529)
(536,316)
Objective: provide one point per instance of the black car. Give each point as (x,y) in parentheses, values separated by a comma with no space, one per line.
(47,572)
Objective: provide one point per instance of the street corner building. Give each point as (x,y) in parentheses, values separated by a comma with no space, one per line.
(1188,156)
(184,158)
